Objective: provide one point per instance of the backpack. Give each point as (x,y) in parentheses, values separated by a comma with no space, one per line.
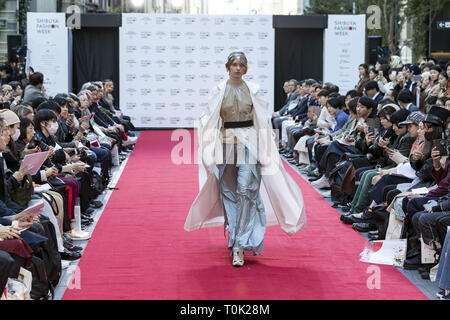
(336,178)
(50,253)
(97,184)
(40,286)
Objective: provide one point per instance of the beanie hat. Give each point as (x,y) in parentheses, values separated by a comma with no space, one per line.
(9,117)
(399,116)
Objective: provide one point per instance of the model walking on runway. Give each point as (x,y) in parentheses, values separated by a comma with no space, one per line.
(246,186)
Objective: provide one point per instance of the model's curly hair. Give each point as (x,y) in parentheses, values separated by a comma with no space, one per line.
(237,55)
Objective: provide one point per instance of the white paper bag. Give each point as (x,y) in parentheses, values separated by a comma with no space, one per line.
(388,252)
(427,253)
(394,230)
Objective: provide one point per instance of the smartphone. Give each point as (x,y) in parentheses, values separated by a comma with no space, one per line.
(440,146)
(417,78)
(371,130)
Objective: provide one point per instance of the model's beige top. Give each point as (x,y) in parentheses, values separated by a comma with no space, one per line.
(237,103)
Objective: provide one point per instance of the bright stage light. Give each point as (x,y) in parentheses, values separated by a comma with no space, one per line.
(177,3)
(137,3)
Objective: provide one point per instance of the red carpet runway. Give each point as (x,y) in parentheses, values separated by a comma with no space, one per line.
(139,249)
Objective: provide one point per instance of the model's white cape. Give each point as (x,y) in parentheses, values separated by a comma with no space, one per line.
(282,198)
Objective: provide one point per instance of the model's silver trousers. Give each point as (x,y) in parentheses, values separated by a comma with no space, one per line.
(245,219)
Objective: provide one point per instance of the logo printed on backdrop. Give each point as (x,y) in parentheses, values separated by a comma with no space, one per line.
(189,77)
(130,105)
(189,20)
(189,91)
(175,35)
(160,20)
(188,106)
(146,20)
(219,63)
(160,63)
(219,21)
(131,91)
(205,35)
(175,77)
(190,35)
(131,49)
(161,91)
(263,21)
(131,77)
(205,49)
(160,77)
(146,48)
(189,49)
(219,35)
(219,77)
(160,105)
(145,120)
(234,20)
(204,63)
(175,105)
(249,21)
(175,92)
(205,20)
(175,63)
(263,35)
(190,63)
(174,121)
(249,35)
(233,35)
(175,49)
(233,48)
(146,77)
(131,63)
(146,63)
(160,49)
(146,34)
(204,77)
(130,20)
(146,91)
(203,92)
(175,21)
(263,63)
(146,105)
(219,49)
(131,34)
(249,50)
(161,34)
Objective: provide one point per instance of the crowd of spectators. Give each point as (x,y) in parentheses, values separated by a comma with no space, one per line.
(80,137)
(382,151)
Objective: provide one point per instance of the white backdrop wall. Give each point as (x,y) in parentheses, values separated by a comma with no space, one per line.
(48,49)
(344,50)
(169,63)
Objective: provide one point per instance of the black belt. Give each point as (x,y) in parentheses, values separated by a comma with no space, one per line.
(238,124)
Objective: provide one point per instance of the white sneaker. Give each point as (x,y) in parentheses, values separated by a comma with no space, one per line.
(65,264)
(130,141)
(326,194)
(78,235)
(321,183)
(238,259)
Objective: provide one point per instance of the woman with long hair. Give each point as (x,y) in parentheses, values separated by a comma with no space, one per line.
(246,187)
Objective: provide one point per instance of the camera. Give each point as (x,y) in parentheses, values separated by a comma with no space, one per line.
(37,142)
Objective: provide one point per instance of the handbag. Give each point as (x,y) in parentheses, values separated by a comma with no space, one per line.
(22,194)
(57,184)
